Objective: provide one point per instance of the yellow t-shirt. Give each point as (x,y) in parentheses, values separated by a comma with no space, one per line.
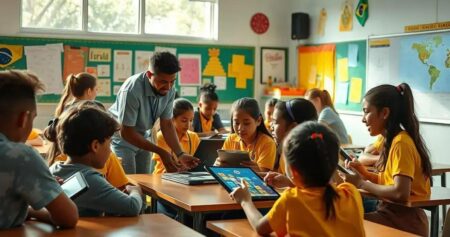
(404,159)
(262,152)
(206,124)
(267,124)
(378,144)
(34,134)
(301,212)
(113,170)
(282,165)
(188,143)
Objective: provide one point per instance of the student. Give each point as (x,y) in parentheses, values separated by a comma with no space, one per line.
(249,134)
(268,111)
(372,152)
(206,120)
(84,134)
(404,165)
(34,138)
(287,115)
(183,113)
(82,86)
(321,99)
(314,207)
(25,178)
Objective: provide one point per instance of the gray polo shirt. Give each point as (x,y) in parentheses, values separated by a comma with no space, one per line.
(139,107)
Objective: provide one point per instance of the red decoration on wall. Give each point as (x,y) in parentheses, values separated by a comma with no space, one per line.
(259,23)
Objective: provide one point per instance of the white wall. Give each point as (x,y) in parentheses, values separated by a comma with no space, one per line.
(385,17)
(234,29)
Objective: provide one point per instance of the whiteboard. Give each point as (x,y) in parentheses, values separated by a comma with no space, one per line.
(420,59)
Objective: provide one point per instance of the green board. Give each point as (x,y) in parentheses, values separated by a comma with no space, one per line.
(359,71)
(230,94)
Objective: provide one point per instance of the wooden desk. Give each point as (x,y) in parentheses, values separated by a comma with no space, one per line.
(196,200)
(439,196)
(241,227)
(143,225)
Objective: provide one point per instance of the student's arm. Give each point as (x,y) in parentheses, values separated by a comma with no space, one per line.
(217,124)
(171,138)
(400,191)
(368,159)
(257,221)
(60,212)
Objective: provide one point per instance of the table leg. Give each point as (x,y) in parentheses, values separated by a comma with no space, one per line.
(199,219)
(434,230)
(153,208)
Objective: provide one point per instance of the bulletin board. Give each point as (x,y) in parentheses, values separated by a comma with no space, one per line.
(350,77)
(231,68)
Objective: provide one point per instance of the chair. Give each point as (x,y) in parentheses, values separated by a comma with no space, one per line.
(446,229)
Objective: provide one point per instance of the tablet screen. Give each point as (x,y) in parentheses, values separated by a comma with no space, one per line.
(74,185)
(230,178)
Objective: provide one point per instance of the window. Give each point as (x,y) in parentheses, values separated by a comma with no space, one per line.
(187,18)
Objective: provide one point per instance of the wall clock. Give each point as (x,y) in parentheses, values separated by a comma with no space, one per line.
(259,23)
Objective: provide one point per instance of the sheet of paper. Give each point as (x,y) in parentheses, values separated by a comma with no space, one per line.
(352,55)
(104,87)
(92,71)
(220,82)
(141,60)
(355,90)
(188,91)
(75,59)
(190,73)
(99,55)
(341,92)
(342,66)
(122,65)
(45,62)
(103,70)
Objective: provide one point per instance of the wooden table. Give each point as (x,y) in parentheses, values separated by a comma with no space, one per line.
(241,227)
(439,196)
(196,200)
(143,225)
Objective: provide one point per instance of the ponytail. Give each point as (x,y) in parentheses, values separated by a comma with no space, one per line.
(328,198)
(51,135)
(208,93)
(76,86)
(67,93)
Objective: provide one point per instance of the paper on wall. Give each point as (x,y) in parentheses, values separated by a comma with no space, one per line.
(122,65)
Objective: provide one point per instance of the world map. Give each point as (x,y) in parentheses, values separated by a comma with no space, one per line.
(425,63)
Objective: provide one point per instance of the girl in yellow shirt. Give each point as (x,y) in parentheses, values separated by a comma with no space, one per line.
(183,113)
(314,206)
(404,165)
(249,134)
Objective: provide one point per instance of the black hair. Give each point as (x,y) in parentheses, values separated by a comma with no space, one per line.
(181,106)
(164,62)
(272,102)
(312,150)
(250,106)
(208,93)
(400,102)
(17,91)
(105,125)
(76,85)
(299,111)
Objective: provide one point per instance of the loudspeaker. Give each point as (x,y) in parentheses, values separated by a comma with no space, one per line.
(300,26)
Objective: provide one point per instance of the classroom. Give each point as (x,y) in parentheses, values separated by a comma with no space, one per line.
(214,68)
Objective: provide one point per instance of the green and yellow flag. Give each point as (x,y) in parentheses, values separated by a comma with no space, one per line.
(362,11)
(9,54)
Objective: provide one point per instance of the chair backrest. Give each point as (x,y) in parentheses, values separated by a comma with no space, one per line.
(446,230)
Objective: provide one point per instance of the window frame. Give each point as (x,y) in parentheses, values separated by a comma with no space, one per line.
(84,32)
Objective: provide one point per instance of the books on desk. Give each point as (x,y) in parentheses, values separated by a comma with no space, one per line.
(190,178)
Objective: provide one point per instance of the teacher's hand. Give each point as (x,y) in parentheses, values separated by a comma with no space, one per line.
(188,161)
(169,162)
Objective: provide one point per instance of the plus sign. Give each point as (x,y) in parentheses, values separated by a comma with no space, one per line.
(239,70)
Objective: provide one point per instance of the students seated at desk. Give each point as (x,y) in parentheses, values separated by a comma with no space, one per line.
(268,111)
(314,207)
(206,120)
(183,113)
(84,133)
(26,179)
(404,167)
(321,99)
(249,134)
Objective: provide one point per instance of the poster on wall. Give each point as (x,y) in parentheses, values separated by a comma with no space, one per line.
(273,65)
(191,69)
(122,65)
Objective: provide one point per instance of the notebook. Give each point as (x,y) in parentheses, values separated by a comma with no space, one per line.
(190,178)
(207,153)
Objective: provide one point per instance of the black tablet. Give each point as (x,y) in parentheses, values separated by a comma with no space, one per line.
(345,170)
(230,178)
(345,154)
(233,157)
(75,185)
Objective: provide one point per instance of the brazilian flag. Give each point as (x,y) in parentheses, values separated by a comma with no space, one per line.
(362,11)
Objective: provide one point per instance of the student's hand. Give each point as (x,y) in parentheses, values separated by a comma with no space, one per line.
(241,194)
(355,164)
(59,179)
(221,163)
(277,180)
(354,178)
(252,165)
(132,188)
(188,161)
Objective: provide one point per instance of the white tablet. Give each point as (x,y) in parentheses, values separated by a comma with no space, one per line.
(75,185)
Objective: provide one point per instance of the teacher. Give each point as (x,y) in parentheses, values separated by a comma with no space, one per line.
(141,100)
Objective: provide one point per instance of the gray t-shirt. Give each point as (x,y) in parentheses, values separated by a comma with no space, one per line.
(331,118)
(101,197)
(24,180)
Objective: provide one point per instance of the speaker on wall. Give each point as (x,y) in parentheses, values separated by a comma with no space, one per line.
(300,26)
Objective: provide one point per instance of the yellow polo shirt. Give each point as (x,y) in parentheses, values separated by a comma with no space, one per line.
(189,144)
(262,152)
(34,134)
(378,144)
(404,159)
(301,212)
(206,124)
(282,165)
(113,170)
(267,124)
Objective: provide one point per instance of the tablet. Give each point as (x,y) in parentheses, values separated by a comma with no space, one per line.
(230,178)
(75,185)
(344,154)
(233,157)
(345,170)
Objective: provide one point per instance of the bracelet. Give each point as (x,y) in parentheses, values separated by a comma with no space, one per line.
(180,154)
